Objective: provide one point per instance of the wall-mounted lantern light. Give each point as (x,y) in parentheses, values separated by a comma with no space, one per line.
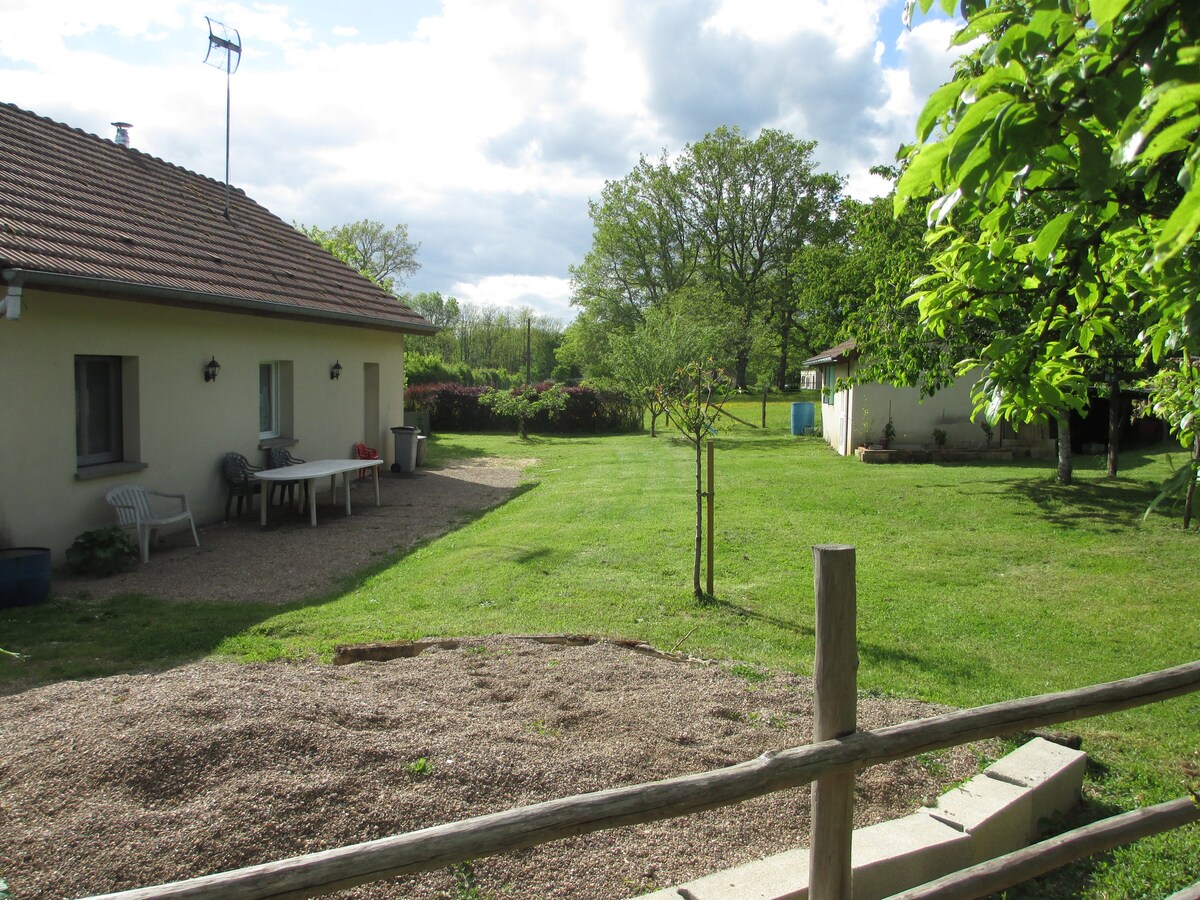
(211,370)
(336,372)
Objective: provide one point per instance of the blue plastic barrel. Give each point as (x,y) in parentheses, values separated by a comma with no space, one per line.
(24,575)
(804,417)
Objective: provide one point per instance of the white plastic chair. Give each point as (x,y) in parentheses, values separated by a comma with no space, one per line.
(135,510)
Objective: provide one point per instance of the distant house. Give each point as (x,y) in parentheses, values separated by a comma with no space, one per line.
(124,277)
(857,414)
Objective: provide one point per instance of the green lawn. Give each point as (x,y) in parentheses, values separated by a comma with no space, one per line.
(976,583)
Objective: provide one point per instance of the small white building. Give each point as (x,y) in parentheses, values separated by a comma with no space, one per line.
(857,414)
(124,279)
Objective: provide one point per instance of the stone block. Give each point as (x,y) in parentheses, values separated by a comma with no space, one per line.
(1053,773)
(783,876)
(997,815)
(902,853)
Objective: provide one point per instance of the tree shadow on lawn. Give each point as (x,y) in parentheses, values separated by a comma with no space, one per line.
(763,442)
(1113,505)
(75,636)
(953,670)
(745,612)
(66,638)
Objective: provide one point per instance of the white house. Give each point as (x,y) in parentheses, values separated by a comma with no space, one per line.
(857,414)
(125,279)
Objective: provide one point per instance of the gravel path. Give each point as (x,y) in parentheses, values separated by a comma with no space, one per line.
(135,780)
(291,560)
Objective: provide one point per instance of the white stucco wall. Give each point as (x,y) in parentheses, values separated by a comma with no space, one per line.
(915,419)
(184,425)
(869,406)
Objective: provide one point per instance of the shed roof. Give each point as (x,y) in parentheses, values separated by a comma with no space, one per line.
(842,352)
(85,214)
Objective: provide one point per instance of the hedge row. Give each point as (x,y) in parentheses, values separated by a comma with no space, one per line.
(455,407)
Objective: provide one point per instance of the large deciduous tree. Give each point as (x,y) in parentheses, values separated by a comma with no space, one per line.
(1059,167)
(721,221)
(384,255)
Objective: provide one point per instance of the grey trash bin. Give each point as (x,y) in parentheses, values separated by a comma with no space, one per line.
(421,450)
(406,449)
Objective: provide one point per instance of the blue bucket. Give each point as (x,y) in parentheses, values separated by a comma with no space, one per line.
(24,575)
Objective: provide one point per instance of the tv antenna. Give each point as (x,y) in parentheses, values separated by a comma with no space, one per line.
(224,52)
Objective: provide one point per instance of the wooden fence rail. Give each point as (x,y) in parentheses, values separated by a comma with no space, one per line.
(1038,859)
(443,845)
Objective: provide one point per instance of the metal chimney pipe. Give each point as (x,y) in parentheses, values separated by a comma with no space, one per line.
(122,138)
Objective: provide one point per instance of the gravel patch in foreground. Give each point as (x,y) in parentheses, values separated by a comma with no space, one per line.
(140,779)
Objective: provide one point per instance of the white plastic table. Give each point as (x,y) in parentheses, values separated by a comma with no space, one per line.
(309,472)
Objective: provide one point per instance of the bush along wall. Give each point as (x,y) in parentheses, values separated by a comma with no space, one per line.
(455,407)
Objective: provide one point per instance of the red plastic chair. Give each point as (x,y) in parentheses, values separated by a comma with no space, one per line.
(362,451)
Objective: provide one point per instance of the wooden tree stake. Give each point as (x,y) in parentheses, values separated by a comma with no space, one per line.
(711,507)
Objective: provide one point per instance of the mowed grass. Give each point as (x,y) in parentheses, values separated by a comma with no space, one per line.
(976,583)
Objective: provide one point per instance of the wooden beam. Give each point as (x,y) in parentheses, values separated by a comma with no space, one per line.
(1038,859)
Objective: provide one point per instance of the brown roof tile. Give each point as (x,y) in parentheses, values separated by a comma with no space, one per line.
(80,211)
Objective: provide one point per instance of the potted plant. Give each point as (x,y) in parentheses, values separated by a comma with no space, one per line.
(889,434)
(102,551)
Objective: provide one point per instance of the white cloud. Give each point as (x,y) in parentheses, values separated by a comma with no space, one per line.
(546,295)
(487,124)
(851,23)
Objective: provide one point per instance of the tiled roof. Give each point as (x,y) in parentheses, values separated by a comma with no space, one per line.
(80,212)
(844,350)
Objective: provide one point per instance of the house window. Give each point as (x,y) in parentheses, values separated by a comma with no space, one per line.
(99,423)
(830,383)
(275,381)
(268,400)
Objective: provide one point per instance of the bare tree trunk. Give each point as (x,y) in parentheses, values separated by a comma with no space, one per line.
(784,335)
(653,419)
(1064,448)
(741,364)
(699,518)
(766,387)
(1114,428)
(1191,488)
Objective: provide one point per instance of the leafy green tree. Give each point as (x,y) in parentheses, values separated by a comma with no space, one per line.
(1174,397)
(722,221)
(525,403)
(810,304)
(1059,168)
(693,398)
(651,355)
(753,204)
(884,255)
(386,256)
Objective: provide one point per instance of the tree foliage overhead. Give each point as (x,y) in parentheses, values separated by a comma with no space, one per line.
(1059,169)
(386,256)
(719,223)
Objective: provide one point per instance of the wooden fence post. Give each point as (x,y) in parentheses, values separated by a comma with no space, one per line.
(835,708)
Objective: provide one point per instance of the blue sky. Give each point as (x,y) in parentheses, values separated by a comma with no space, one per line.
(484,125)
